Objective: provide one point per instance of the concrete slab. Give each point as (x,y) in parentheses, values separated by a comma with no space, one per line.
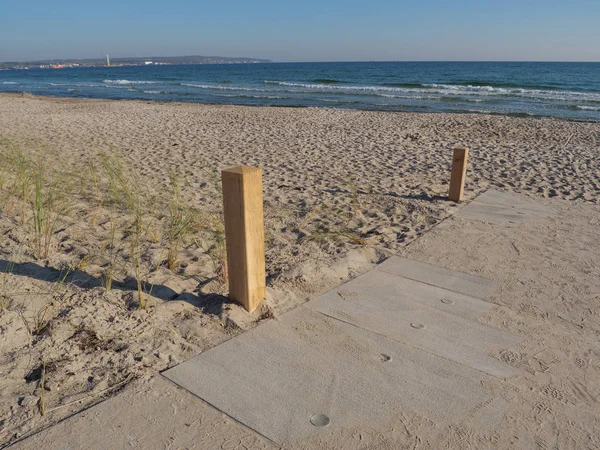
(278,376)
(492,213)
(512,200)
(452,280)
(148,414)
(401,336)
(503,207)
(388,312)
(397,294)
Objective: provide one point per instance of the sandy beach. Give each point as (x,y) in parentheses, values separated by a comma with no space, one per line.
(342,191)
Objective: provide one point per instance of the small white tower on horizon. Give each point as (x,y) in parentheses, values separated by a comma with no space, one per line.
(107,61)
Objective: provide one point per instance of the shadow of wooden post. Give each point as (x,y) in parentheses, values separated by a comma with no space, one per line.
(459,170)
(244,235)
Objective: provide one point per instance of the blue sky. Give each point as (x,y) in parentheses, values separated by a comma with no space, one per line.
(304,30)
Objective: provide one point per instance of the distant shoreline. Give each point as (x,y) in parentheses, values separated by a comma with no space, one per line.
(105,61)
(269,61)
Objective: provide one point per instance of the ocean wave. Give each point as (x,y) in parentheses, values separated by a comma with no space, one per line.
(76,84)
(154,92)
(297,88)
(112,86)
(130,82)
(466,88)
(505,85)
(397,96)
(371,90)
(450,90)
(467,93)
(518,92)
(324,87)
(415,96)
(225,88)
(249,89)
(10,82)
(271,97)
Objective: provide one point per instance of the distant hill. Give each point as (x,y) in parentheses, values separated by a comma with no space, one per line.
(132,61)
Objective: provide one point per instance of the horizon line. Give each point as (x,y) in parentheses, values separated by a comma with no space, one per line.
(270,61)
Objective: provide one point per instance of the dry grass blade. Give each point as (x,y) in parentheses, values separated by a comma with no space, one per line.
(94,394)
(42,402)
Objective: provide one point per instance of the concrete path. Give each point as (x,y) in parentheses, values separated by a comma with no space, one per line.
(504,207)
(379,344)
(402,337)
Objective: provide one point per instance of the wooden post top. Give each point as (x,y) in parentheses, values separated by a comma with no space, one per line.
(242,170)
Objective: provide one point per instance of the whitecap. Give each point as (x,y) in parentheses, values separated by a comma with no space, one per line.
(225,88)
(76,84)
(129,82)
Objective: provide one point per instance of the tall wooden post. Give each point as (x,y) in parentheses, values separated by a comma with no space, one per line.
(459,170)
(244,235)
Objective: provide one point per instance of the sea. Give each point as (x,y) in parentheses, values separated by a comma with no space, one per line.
(563,90)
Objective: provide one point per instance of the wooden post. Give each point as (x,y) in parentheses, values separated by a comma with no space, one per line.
(459,170)
(244,235)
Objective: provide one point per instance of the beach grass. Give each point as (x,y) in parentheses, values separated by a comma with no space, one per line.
(129,229)
(123,224)
(180,222)
(49,203)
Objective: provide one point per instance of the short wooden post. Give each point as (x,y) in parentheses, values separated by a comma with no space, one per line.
(459,170)
(244,235)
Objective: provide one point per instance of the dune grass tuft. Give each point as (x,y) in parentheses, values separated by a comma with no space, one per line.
(125,191)
(49,203)
(179,225)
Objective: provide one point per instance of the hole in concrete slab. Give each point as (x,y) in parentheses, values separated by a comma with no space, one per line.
(320,420)
(418,326)
(385,358)
(447,301)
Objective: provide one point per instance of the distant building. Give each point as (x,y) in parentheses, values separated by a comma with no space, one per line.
(148,63)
